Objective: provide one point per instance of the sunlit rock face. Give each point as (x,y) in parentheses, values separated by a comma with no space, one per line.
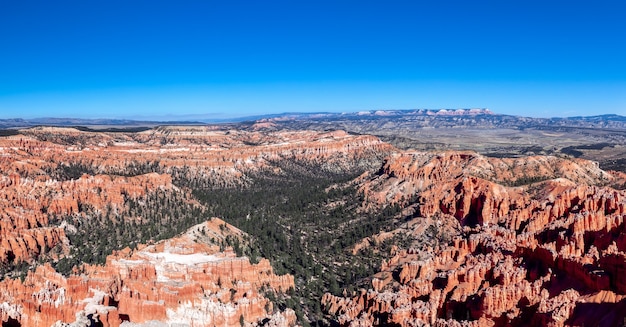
(186,280)
(511,242)
(48,172)
(193,152)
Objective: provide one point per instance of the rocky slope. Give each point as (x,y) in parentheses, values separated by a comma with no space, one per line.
(49,172)
(482,241)
(27,205)
(495,242)
(204,153)
(69,196)
(185,280)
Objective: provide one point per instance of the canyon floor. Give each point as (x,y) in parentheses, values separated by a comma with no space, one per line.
(283,222)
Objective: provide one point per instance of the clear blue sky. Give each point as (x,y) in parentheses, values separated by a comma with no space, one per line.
(181,59)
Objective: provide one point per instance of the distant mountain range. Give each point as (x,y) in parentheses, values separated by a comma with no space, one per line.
(22,123)
(378,120)
(432,118)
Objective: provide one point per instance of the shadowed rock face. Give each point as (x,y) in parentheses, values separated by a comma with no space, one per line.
(525,241)
(185,280)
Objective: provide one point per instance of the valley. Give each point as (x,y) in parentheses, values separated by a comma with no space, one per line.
(462,218)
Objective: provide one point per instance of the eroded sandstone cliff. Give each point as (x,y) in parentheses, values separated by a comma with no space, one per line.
(184,280)
(68,196)
(49,172)
(496,242)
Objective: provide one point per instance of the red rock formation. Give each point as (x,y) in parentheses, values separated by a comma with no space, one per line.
(531,241)
(40,180)
(26,206)
(202,151)
(180,280)
(30,194)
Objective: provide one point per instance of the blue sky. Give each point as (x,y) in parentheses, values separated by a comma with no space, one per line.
(217,59)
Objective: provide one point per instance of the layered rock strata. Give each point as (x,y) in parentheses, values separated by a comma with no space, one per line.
(186,280)
(510,242)
(47,172)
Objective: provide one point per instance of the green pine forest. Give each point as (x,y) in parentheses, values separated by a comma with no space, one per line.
(304,219)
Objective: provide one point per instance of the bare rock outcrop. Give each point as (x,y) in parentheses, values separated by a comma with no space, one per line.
(184,280)
(47,172)
(532,240)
